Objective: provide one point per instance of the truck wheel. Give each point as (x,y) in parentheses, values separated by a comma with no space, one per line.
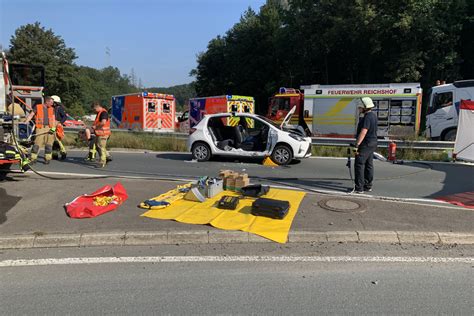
(201,152)
(282,155)
(5,166)
(450,136)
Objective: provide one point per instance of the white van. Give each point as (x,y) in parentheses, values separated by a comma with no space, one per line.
(443,108)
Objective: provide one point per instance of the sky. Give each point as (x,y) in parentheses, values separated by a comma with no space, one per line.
(159,39)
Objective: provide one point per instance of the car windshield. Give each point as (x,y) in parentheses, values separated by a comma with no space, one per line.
(263,118)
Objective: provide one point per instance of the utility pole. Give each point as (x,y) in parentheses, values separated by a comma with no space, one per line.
(133,77)
(107,56)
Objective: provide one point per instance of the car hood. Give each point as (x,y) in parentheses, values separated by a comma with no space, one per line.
(288,117)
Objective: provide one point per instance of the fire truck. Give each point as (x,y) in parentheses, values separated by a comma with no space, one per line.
(27,84)
(144,111)
(331,110)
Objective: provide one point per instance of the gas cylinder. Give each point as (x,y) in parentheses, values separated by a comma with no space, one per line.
(392,151)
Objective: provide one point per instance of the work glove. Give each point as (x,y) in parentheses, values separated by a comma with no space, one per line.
(355,149)
(52,130)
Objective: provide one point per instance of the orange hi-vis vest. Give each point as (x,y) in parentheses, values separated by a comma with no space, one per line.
(103,130)
(40,116)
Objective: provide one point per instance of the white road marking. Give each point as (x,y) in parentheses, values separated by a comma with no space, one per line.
(180,259)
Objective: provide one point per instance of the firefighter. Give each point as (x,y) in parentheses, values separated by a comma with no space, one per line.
(15,108)
(365,146)
(89,137)
(61,117)
(101,129)
(45,122)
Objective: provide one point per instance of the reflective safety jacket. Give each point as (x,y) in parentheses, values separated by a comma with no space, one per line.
(41,118)
(103,130)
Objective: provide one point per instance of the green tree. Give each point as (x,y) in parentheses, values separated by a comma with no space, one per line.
(34,44)
(182,93)
(101,84)
(245,60)
(300,42)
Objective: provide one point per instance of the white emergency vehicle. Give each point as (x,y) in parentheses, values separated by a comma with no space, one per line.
(443,108)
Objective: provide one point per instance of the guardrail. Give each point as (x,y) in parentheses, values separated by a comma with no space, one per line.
(175,135)
(319,141)
(383,143)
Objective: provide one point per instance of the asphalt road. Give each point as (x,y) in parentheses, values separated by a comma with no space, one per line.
(411,180)
(181,288)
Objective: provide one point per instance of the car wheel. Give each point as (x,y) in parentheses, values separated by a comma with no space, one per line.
(282,155)
(450,135)
(201,152)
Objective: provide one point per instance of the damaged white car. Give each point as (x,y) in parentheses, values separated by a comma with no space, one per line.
(248,135)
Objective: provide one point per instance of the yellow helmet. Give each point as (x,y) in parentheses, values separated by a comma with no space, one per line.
(56,98)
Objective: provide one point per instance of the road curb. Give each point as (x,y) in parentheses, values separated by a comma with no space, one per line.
(151,238)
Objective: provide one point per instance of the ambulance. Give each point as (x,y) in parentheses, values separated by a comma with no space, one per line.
(144,111)
(198,107)
(443,108)
(331,110)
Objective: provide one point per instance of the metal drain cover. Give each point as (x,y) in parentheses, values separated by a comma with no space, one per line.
(341,205)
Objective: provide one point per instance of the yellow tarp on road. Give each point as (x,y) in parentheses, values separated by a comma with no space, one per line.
(240,219)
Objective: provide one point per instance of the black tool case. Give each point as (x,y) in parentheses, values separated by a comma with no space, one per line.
(228,202)
(275,209)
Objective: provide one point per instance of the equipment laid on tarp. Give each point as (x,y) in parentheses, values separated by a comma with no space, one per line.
(234,181)
(213,187)
(196,194)
(241,218)
(204,188)
(167,198)
(228,202)
(270,208)
(104,200)
(464,146)
(255,190)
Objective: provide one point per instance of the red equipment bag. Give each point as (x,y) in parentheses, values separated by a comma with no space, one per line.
(60,131)
(85,206)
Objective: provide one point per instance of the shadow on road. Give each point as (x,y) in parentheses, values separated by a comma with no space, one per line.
(8,202)
(458,179)
(175,156)
(188,158)
(334,184)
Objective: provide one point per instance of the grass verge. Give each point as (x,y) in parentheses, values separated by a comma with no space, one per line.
(152,142)
(402,154)
(134,141)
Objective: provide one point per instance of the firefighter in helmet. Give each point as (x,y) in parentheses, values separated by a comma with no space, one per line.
(365,146)
(45,123)
(61,117)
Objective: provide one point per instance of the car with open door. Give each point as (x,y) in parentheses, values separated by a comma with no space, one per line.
(73,123)
(248,135)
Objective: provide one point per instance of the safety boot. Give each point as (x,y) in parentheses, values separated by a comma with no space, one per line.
(90,157)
